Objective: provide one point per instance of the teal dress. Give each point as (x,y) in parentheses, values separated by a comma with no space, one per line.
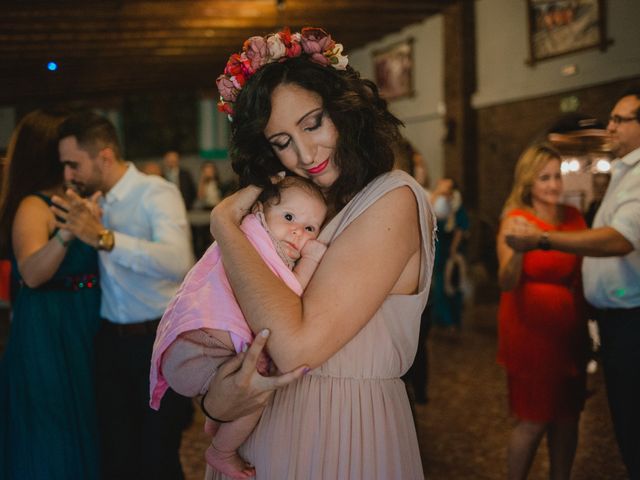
(48,427)
(447,310)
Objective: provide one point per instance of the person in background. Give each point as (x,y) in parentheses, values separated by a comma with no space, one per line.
(209,194)
(542,321)
(48,427)
(599,184)
(151,168)
(447,306)
(145,251)
(610,273)
(180,177)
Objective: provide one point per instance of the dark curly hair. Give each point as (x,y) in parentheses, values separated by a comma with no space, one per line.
(366,129)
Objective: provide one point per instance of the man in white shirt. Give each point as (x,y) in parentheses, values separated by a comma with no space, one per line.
(144,245)
(611,273)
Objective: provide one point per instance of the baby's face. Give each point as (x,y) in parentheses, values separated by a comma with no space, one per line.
(295,219)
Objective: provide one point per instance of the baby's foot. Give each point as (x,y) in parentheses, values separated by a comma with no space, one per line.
(229,463)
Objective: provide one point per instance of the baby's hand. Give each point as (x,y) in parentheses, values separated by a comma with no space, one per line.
(313,250)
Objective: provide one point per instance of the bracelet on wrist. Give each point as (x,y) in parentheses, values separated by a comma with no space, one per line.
(204,410)
(63,242)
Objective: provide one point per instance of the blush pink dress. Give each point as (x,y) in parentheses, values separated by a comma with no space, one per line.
(350,418)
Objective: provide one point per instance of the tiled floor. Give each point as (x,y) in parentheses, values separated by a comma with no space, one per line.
(463,429)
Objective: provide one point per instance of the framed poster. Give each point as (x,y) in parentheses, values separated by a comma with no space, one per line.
(393,69)
(558,27)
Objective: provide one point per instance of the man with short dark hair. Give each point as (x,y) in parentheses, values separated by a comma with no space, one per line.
(611,273)
(144,247)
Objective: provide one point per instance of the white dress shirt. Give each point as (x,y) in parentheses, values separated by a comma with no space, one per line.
(152,252)
(614,282)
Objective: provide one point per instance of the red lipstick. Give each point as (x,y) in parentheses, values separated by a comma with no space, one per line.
(319,168)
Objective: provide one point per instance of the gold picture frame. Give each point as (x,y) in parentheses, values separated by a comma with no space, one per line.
(560,27)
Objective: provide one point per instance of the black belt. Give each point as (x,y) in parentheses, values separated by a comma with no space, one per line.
(131,329)
(619,312)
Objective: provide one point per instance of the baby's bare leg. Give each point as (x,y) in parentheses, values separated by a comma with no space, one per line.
(222,454)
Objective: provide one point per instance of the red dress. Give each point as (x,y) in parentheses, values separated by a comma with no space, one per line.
(542,331)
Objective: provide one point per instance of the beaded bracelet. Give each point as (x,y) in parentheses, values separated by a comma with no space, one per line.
(204,410)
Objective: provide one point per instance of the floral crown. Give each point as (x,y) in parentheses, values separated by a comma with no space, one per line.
(275,47)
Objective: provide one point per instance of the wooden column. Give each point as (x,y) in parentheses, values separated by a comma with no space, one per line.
(459,86)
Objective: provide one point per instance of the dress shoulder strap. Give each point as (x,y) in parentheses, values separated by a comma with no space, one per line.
(44,197)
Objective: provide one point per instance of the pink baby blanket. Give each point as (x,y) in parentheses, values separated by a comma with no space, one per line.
(205,300)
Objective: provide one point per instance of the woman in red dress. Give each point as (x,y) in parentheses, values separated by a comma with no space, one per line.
(542,321)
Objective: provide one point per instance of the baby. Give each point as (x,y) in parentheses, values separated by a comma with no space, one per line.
(203,324)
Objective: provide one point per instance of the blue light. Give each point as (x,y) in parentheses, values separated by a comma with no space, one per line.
(52,66)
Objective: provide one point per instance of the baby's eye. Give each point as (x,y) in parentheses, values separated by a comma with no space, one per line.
(310,228)
(288,217)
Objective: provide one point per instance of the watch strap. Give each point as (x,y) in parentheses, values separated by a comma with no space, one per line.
(544,243)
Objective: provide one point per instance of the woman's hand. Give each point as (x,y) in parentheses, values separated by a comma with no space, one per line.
(509,260)
(233,208)
(520,234)
(237,389)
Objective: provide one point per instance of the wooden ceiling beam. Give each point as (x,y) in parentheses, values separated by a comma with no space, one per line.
(253,26)
(214,9)
(117,46)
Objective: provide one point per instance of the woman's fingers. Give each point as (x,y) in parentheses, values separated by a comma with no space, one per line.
(238,389)
(250,363)
(231,366)
(271,382)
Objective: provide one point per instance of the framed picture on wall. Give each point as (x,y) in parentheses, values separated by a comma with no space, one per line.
(558,27)
(393,70)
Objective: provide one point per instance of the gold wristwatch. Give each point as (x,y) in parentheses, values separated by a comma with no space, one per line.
(106,240)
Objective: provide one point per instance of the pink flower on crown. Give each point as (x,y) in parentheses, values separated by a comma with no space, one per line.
(237,65)
(315,40)
(291,43)
(256,52)
(319,45)
(276,47)
(228,90)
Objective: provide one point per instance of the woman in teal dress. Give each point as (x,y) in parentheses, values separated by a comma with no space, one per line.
(47,405)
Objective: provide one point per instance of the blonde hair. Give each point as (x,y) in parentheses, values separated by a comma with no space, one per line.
(532,160)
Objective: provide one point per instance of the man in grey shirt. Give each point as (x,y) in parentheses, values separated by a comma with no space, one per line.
(611,273)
